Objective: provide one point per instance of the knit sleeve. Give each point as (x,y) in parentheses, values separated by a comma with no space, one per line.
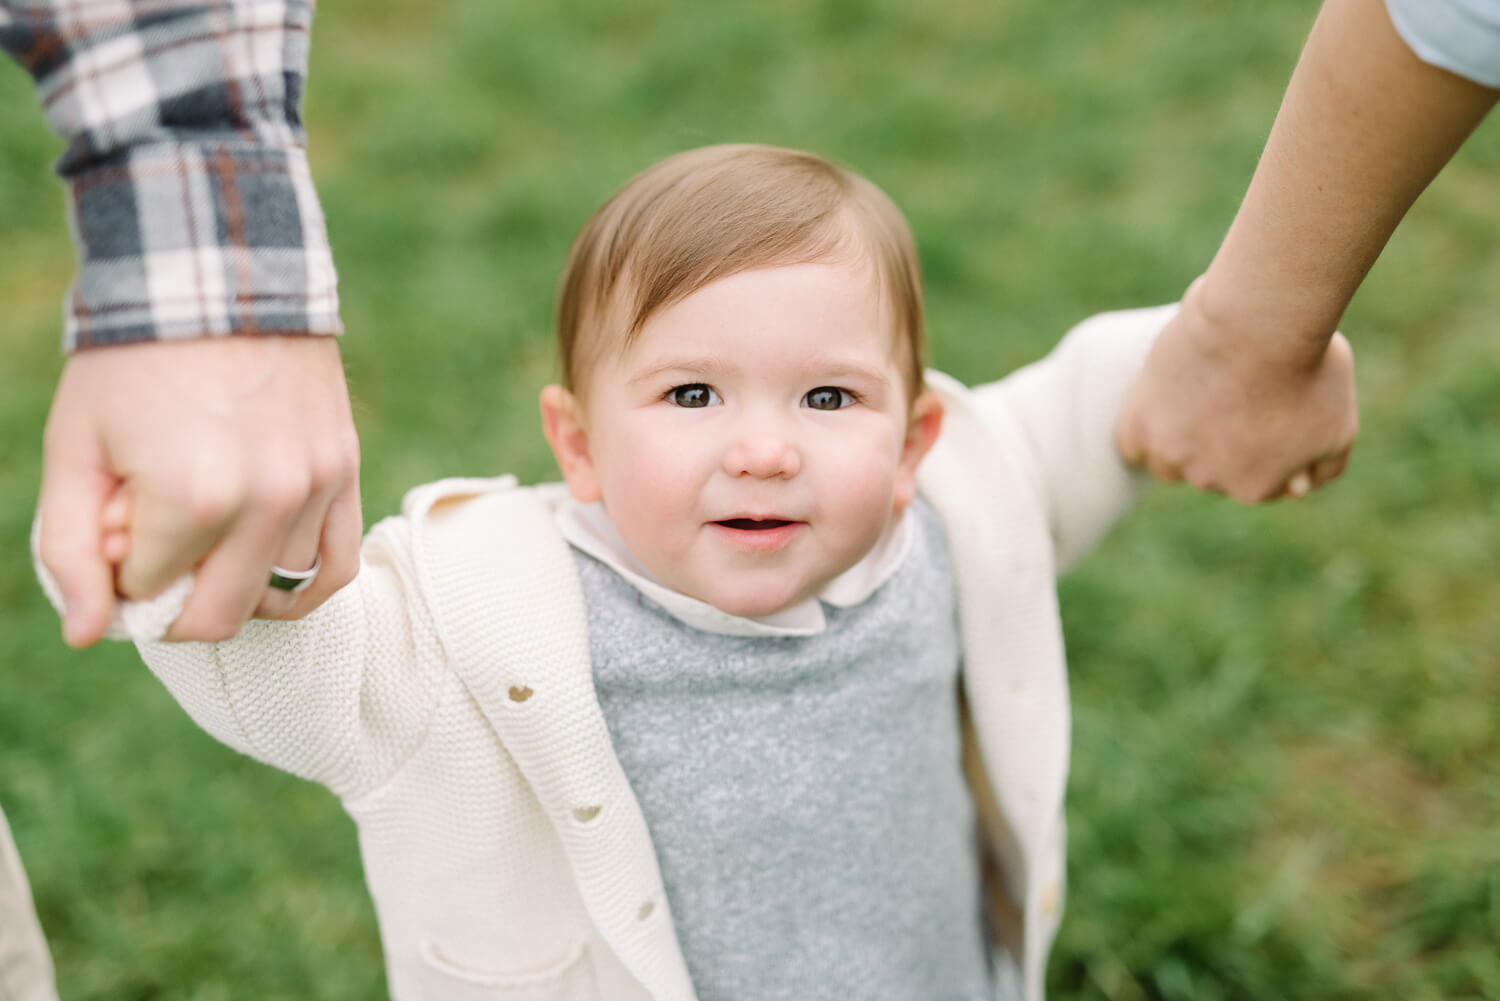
(191,203)
(1066,406)
(341,697)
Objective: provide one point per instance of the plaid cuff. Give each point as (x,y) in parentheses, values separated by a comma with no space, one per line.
(191,201)
(195,241)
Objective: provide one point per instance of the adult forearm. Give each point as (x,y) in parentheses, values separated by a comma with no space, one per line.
(1364,127)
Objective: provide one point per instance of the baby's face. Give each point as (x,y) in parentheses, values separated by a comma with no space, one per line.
(756,439)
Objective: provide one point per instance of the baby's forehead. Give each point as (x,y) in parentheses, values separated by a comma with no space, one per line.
(810,292)
(718,334)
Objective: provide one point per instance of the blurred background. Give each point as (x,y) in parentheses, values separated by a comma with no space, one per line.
(1287,759)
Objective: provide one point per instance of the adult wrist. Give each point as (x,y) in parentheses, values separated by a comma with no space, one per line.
(1277,326)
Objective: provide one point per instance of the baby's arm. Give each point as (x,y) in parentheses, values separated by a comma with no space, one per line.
(340,697)
(1066,406)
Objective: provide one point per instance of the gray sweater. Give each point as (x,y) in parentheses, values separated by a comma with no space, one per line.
(804,794)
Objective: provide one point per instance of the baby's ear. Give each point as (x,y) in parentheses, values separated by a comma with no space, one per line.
(922,430)
(567,432)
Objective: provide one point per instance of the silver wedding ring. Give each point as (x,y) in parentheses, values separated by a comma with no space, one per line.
(293,581)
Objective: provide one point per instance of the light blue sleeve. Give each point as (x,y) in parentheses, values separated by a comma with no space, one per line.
(1461,36)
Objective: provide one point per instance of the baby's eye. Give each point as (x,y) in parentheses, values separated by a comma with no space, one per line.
(828,398)
(694,394)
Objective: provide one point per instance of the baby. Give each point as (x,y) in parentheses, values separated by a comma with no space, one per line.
(765,698)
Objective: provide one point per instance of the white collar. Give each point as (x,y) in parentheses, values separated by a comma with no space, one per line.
(588,527)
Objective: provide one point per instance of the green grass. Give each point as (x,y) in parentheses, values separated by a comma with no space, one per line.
(1285,768)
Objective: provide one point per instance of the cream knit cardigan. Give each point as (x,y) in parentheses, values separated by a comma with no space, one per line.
(446,697)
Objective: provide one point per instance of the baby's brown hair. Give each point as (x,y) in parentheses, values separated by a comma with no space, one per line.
(717,211)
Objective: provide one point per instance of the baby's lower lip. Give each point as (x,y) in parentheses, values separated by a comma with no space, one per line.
(769,533)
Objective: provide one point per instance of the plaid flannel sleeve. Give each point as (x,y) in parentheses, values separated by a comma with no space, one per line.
(191,202)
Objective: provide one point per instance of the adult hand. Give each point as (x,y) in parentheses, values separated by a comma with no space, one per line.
(234,453)
(1215,406)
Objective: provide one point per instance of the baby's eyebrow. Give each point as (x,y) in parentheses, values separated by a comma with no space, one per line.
(825,371)
(836,371)
(701,368)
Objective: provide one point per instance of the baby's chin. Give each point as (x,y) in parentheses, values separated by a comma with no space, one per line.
(758,600)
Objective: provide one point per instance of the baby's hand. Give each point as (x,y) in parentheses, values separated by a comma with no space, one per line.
(114,541)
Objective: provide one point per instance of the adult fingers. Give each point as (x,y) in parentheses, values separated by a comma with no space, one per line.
(1167,472)
(1133,441)
(298,552)
(333,541)
(1130,434)
(75,488)
(1330,468)
(231,581)
(1315,475)
(1258,489)
(170,534)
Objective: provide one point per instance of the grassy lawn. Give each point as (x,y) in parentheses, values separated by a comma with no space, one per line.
(1287,769)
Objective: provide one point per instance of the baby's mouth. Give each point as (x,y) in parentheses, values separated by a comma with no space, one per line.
(752,524)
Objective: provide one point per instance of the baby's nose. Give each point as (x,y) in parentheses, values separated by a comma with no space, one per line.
(763,455)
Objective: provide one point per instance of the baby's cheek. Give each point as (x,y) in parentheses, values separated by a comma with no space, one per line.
(866,468)
(862,492)
(651,503)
